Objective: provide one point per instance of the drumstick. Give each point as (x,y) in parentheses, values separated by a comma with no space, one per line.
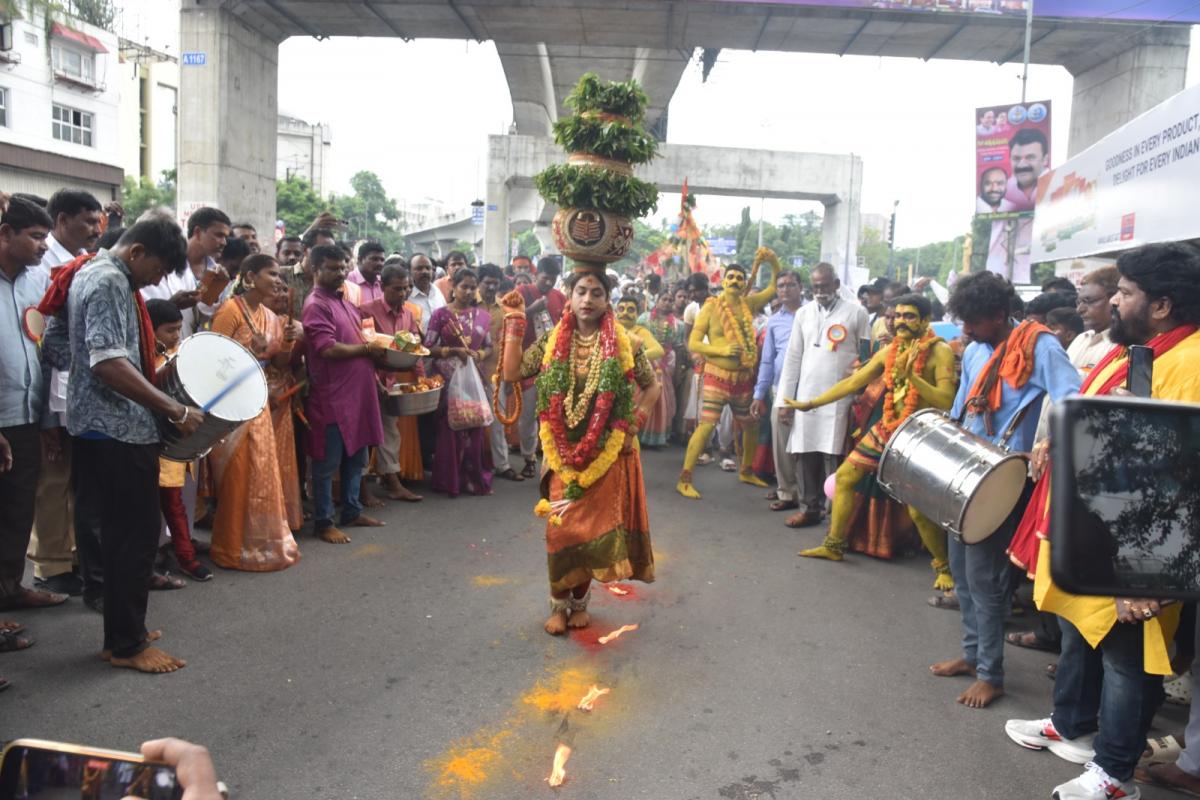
(291,392)
(289,316)
(235,383)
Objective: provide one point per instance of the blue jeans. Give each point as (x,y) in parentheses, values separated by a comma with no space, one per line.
(1106,689)
(983,581)
(352,466)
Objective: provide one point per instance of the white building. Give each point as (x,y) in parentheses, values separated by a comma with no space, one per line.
(302,151)
(149,111)
(59,95)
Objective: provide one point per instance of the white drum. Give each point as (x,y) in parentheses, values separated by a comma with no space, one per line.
(964,483)
(210,366)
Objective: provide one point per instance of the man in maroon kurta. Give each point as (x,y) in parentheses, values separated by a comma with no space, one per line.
(343,407)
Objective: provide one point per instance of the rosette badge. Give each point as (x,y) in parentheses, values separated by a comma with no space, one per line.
(597,195)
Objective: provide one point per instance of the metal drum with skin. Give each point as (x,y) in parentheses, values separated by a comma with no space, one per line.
(964,483)
(206,365)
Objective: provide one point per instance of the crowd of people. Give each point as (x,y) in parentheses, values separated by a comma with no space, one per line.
(789,380)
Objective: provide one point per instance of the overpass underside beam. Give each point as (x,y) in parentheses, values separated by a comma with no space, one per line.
(833,180)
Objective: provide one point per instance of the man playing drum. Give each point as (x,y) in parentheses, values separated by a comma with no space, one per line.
(102,333)
(1007,371)
(919,372)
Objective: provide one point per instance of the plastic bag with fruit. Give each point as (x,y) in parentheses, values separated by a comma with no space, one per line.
(467,402)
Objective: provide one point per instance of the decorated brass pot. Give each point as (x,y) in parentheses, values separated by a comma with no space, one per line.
(589,234)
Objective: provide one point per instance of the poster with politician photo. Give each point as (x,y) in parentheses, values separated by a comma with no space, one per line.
(1012,148)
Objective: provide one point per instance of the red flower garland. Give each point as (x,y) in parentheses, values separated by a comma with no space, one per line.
(588,448)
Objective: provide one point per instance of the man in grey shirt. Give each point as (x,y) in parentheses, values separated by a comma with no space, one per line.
(111,411)
(23,230)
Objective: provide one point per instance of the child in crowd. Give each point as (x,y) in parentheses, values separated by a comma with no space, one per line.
(168,325)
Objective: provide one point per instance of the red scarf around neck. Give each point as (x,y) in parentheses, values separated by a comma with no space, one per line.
(1159,344)
(56,298)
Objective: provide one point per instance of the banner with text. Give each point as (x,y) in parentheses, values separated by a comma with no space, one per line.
(1012,148)
(1133,187)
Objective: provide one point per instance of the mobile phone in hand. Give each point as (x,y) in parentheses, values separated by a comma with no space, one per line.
(1141,370)
(34,769)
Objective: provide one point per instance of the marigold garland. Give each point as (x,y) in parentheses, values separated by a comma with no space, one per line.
(912,397)
(738,326)
(582,464)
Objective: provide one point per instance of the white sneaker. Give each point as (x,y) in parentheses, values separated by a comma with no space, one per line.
(1096,784)
(1039,734)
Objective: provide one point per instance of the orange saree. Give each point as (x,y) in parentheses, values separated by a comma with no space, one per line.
(251,530)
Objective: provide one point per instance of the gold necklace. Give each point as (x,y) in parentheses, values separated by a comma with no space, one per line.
(576,408)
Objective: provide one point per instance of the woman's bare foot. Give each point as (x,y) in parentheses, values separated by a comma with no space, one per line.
(151,660)
(152,636)
(579,619)
(363,521)
(557,624)
(948,669)
(333,536)
(980,694)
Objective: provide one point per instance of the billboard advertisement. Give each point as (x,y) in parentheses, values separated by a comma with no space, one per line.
(1135,186)
(1012,148)
(1182,11)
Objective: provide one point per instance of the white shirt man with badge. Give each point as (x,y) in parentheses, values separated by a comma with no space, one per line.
(822,350)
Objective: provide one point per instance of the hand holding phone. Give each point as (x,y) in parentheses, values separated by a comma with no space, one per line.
(1141,370)
(166,769)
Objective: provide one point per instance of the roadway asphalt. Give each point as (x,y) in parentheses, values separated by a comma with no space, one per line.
(411,664)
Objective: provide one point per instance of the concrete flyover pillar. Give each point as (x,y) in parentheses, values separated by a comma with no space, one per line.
(228,115)
(839,228)
(495,222)
(1109,94)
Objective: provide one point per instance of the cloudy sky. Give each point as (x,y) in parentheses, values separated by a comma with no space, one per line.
(418,114)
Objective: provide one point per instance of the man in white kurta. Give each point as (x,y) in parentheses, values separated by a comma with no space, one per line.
(821,351)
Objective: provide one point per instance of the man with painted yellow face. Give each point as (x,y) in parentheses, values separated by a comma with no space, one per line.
(731,357)
(919,372)
(628,310)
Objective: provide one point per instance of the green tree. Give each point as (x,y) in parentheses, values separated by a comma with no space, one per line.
(297,204)
(874,252)
(646,240)
(743,228)
(528,244)
(371,214)
(138,196)
(100,13)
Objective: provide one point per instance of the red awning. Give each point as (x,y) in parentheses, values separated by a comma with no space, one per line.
(79,37)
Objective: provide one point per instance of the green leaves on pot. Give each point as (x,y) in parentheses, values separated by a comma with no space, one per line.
(575,186)
(624,99)
(607,139)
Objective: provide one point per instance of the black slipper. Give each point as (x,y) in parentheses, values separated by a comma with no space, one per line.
(11,643)
(165,583)
(948,602)
(1018,638)
(530,470)
(510,475)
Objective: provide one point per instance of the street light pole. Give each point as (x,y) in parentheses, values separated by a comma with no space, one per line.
(1028,44)
(891,239)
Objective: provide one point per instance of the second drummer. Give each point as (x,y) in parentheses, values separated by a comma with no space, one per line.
(1006,372)
(106,340)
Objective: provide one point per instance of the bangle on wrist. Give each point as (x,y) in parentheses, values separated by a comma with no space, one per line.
(182,419)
